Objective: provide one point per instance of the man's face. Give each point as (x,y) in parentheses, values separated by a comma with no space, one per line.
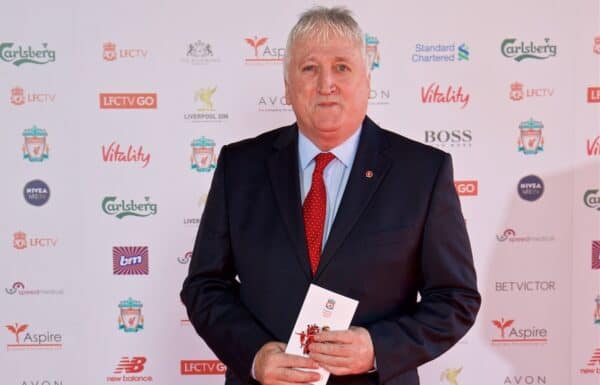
(328,87)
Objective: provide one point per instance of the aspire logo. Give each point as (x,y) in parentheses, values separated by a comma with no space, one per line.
(518,336)
(131,366)
(262,52)
(110,52)
(451,95)
(128,101)
(19,97)
(18,55)
(519,50)
(121,209)
(114,153)
(130,260)
(202,367)
(25,340)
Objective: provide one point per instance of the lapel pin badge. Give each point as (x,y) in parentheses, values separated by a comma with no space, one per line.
(369,174)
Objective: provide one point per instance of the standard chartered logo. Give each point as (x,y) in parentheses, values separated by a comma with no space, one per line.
(18,55)
(111,205)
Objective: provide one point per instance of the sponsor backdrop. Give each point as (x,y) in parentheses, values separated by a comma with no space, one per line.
(113,114)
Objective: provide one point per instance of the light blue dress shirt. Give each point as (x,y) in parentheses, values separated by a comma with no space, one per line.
(335,175)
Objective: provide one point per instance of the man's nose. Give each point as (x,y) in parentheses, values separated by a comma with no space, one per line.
(326,82)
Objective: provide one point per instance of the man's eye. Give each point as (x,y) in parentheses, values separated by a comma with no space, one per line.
(308,68)
(342,68)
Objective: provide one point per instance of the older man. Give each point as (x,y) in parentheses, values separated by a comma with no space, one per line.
(332,200)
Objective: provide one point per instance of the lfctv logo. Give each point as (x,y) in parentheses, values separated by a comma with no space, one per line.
(128,101)
(466,187)
(202,367)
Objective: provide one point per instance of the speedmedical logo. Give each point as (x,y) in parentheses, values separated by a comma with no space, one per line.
(520,50)
(128,101)
(202,367)
(19,54)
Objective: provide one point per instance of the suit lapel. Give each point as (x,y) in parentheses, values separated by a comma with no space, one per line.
(359,190)
(285,181)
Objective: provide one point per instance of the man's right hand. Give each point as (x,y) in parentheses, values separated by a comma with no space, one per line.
(272,366)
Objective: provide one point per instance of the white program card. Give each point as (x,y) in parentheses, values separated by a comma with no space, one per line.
(322,310)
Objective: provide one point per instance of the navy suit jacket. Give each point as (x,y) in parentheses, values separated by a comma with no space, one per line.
(396,234)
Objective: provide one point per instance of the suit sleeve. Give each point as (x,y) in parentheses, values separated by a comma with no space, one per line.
(211,292)
(449,297)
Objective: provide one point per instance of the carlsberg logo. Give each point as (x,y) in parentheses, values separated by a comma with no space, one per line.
(18,55)
(121,208)
(520,50)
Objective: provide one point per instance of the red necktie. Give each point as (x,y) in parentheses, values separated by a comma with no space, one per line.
(314,210)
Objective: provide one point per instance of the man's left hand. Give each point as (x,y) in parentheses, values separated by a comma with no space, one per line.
(343,352)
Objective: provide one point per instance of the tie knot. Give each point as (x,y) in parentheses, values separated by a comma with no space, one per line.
(322,160)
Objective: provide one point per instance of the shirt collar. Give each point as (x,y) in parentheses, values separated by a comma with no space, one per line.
(345,152)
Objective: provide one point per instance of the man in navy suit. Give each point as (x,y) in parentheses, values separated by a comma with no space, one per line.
(337,201)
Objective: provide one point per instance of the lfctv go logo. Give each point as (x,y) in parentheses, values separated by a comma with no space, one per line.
(466,187)
(128,101)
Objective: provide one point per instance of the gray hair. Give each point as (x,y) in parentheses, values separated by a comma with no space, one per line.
(321,24)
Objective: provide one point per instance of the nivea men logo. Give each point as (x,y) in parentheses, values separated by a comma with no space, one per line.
(530,188)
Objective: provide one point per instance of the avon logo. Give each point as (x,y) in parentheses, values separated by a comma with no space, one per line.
(114,153)
(433,94)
